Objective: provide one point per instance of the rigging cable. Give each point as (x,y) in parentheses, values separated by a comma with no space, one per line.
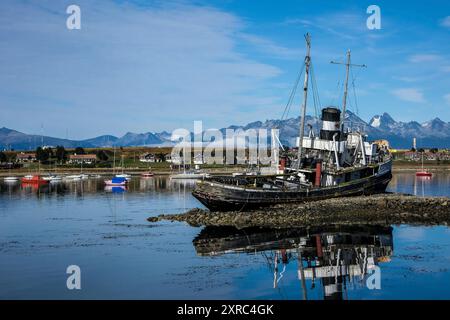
(292,95)
(316,98)
(354,92)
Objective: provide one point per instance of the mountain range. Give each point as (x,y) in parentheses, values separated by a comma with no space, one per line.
(433,133)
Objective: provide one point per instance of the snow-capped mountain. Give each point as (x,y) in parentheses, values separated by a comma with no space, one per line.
(433,133)
(384,122)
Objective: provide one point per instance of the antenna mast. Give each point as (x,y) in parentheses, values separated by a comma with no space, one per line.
(305,97)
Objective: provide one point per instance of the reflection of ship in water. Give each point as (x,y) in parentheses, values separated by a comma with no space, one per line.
(336,257)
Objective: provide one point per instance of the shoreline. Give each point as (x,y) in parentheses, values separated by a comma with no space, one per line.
(368,210)
(165,172)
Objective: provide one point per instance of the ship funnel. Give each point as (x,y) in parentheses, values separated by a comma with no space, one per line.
(330,123)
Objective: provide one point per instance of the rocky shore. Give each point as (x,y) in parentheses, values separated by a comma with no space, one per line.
(368,210)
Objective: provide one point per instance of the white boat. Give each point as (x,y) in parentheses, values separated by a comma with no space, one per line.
(73,177)
(189,175)
(84,176)
(52,178)
(11,179)
(95,176)
(123,175)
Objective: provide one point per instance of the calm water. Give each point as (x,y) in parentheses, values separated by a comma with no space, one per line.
(121,255)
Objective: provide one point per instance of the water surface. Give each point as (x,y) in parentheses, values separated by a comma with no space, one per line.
(121,255)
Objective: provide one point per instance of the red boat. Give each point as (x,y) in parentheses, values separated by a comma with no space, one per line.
(34,179)
(423,174)
(147,174)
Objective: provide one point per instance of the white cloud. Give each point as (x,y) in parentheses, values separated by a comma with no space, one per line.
(406,78)
(269,47)
(130,67)
(345,25)
(446,22)
(409,94)
(417,58)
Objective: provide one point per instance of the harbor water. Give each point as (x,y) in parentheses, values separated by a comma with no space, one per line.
(121,255)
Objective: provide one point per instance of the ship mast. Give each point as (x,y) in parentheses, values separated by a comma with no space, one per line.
(344,101)
(347,72)
(305,97)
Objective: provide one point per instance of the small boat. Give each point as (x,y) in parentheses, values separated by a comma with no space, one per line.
(73,177)
(189,175)
(33,179)
(123,175)
(147,174)
(11,179)
(117,181)
(95,176)
(84,176)
(52,178)
(423,172)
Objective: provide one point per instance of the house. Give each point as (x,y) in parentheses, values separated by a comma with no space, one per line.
(82,158)
(154,157)
(148,157)
(26,157)
(174,159)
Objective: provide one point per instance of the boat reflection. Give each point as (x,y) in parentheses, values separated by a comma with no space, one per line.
(115,189)
(338,258)
(90,186)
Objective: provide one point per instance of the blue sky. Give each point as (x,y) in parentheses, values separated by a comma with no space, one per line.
(157,65)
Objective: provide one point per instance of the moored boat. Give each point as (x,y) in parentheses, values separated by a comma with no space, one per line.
(116,181)
(73,177)
(147,174)
(10,179)
(423,172)
(52,178)
(123,175)
(33,179)
(189,175)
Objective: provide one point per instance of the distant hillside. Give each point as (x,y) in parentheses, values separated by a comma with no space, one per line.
(21,141)
(433,133)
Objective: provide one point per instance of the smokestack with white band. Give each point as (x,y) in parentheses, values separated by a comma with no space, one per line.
(330,123)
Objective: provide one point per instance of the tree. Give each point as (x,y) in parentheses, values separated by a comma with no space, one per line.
(61,154)
(434,150)
(42,154)
(79,150)
(102,155)
(3,157)
(160,157)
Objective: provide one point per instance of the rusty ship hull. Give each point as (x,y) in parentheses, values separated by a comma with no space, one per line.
(218,196)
